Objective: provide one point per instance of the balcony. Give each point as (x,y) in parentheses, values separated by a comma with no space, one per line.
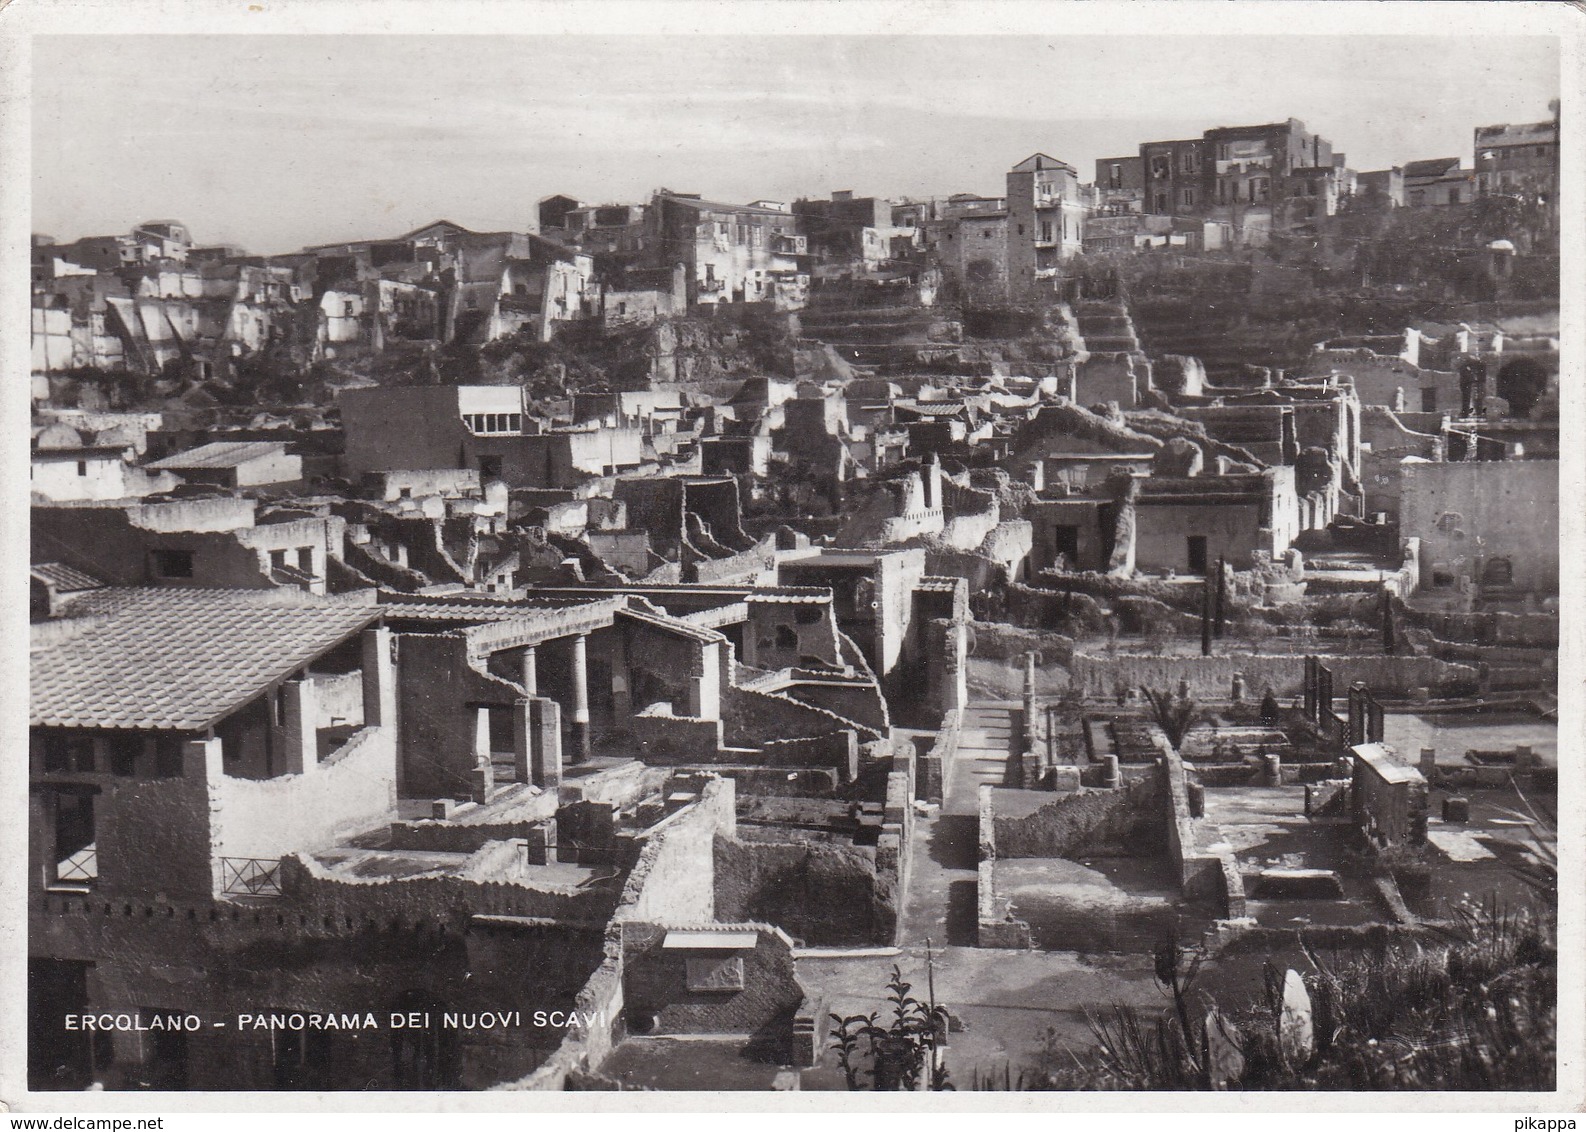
(711,286)
(250,876)
(77,871)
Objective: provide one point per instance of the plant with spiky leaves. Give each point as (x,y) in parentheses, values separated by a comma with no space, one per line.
(895,1056)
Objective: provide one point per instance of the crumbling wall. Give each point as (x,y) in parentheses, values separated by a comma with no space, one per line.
(659,737)
(585,1048)
(1203,874)
(838,750)
(673,881)
(860,702)
(270,817)
(1130,820)
(754,718)
(438,691)
(933,766)
(1211,677)
(823,893)
(781,634)
(320,892)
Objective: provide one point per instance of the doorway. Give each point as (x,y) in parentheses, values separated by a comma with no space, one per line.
(1197,554)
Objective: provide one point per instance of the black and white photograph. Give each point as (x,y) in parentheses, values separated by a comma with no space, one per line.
(792,548)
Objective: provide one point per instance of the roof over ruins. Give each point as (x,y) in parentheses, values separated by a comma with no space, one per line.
(177,659)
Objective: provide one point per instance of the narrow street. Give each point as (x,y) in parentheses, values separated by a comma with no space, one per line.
(1008,1001)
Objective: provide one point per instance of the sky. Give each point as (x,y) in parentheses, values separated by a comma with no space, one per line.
(274,142)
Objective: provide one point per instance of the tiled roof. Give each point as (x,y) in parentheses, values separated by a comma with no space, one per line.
(220,454)
(460,611)
(1432,167)
(64,578)
(181,659)
(672,625)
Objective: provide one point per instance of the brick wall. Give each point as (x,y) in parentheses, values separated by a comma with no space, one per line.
(761,1006)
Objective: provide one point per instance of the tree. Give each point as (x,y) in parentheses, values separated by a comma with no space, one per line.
(1174,713)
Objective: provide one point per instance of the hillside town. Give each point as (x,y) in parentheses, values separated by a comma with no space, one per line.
(603,655)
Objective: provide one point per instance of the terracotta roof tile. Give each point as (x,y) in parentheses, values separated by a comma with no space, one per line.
(65,579)
(179,659)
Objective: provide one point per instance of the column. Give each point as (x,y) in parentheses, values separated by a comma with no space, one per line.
(523,740)
(530,676)
(704,685)
(621,692)
(300,746)
(379,679)
(581,697)
(545,742)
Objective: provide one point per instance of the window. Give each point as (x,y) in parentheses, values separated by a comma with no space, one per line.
(346,309)
(125,749)
(82,467)
(1115,181)
(171,563)
(76,860)
(1046,231)
(305,559)
(66,752)
(168,756)
(1186,197)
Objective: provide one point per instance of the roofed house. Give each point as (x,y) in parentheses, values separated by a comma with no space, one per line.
(234,464)
(158,717)
(731,253)
(1438,180)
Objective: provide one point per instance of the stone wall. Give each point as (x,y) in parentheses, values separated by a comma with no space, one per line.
(933,766)
(823,893)
(438,692)
(756,995)
(672,882)
(1211,677)
(1129,820)
(271,817)
(1468,514)
(319,892)
(753,718)
(838,750)
(662,738)
(585,1048)
(1203,874)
